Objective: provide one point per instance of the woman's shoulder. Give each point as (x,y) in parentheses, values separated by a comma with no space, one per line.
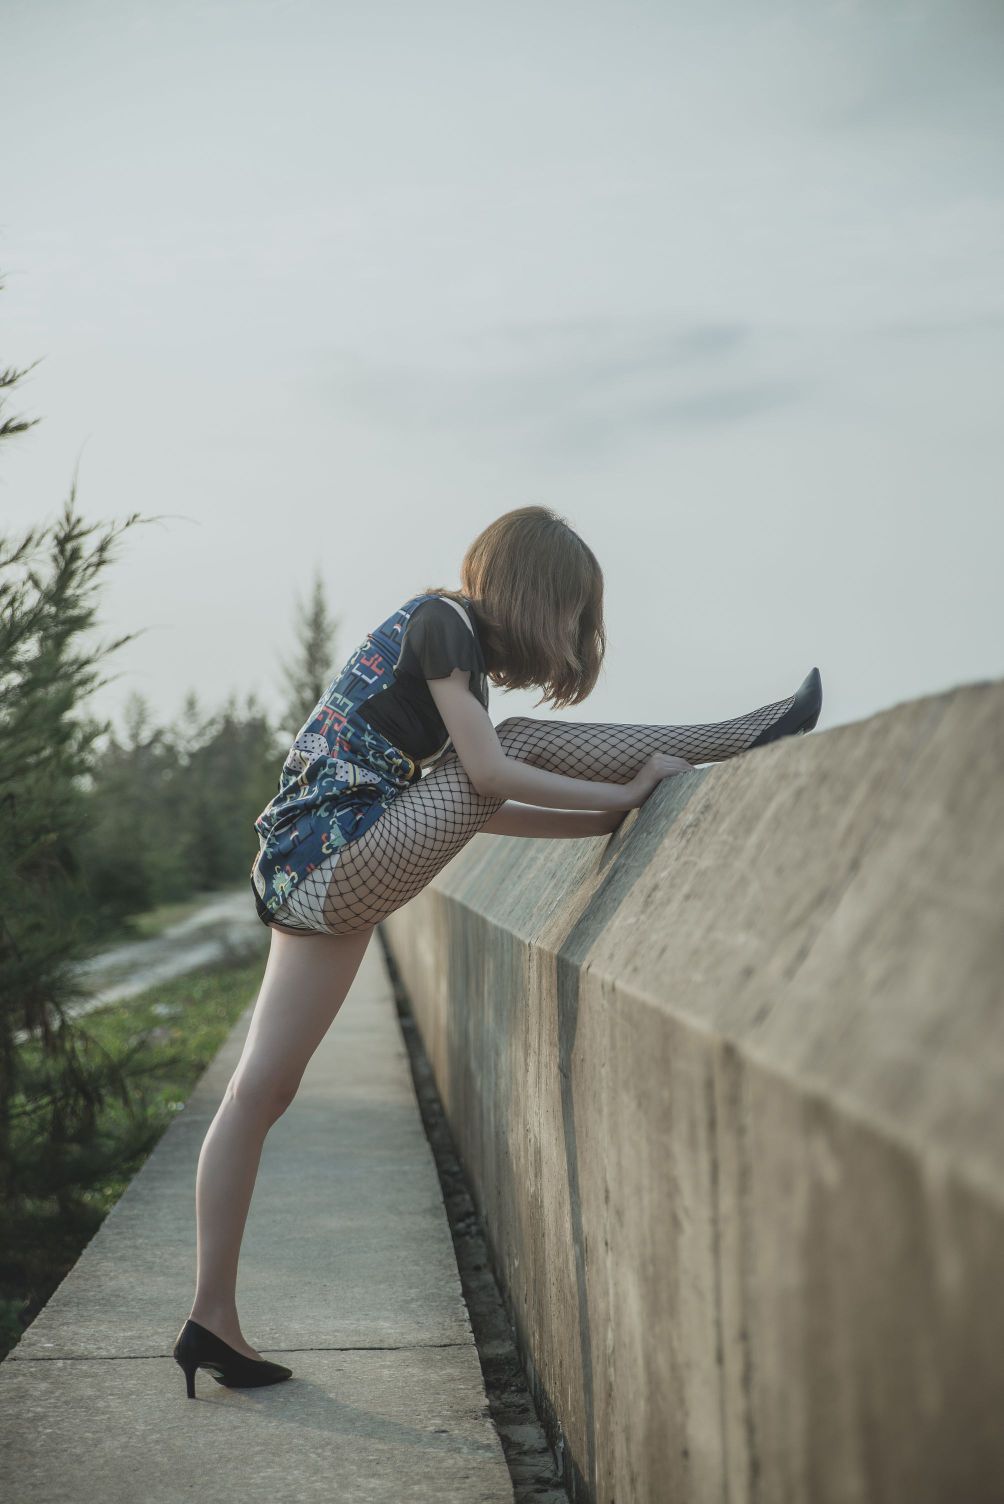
(439,636)
(445,608)
(397,622)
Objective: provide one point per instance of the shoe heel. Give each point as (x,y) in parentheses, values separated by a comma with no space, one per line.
(190,1379)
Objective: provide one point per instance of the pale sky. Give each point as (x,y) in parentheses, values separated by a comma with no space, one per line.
(720,283)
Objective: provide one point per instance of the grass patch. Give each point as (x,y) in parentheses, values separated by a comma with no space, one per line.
(162,1039)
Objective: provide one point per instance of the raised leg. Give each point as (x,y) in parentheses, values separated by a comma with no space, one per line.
(613,752)
(305,983)
(432,820)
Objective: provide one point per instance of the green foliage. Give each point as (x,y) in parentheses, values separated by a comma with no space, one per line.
(48,582)
(173,807)
(159,1042)
(9,378)
(95,827)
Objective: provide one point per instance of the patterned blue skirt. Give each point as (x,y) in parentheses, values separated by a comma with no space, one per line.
(324,801)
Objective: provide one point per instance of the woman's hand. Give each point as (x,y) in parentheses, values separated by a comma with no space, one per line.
(659,766)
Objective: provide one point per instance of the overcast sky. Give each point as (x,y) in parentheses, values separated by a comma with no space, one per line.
(337,284)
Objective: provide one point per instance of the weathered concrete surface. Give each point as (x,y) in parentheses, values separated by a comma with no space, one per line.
(369,1427)
(729,1086)
(348,1268)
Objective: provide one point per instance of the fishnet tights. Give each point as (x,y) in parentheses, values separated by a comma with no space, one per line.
(429,822)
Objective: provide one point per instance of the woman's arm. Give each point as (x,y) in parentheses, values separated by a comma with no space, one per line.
(515,819)
(496,775)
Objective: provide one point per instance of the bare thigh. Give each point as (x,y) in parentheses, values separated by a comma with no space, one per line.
(305,983)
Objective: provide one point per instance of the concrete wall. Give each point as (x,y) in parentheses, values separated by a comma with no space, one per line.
(729,1086)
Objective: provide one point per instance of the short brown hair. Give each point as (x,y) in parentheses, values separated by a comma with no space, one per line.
(538,595)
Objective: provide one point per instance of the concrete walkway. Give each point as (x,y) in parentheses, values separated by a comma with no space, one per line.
(347,1274)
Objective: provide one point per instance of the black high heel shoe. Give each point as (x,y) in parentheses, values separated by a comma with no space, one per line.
(198,1347)
(802,714)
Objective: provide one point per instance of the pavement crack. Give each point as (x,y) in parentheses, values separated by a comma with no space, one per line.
(361,1347)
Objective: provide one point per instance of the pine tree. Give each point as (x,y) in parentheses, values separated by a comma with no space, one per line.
(49,578)
(310,673)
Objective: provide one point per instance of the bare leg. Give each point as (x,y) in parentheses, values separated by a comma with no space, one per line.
(305,983)
(431,821)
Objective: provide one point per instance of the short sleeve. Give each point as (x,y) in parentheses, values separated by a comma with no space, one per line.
(436,642)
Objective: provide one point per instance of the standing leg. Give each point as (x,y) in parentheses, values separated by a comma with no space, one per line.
(431,821)
(304,985)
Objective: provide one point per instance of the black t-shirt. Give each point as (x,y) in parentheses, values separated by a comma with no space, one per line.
(436,640)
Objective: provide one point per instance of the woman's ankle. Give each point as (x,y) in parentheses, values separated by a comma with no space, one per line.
(218,1317)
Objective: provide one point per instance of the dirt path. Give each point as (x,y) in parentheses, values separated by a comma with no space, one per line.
(225,927)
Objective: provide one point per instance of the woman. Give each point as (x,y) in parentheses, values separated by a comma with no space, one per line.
(397,768)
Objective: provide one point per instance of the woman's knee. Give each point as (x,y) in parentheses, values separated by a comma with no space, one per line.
(513,725)
(266,1096)
(515,735)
